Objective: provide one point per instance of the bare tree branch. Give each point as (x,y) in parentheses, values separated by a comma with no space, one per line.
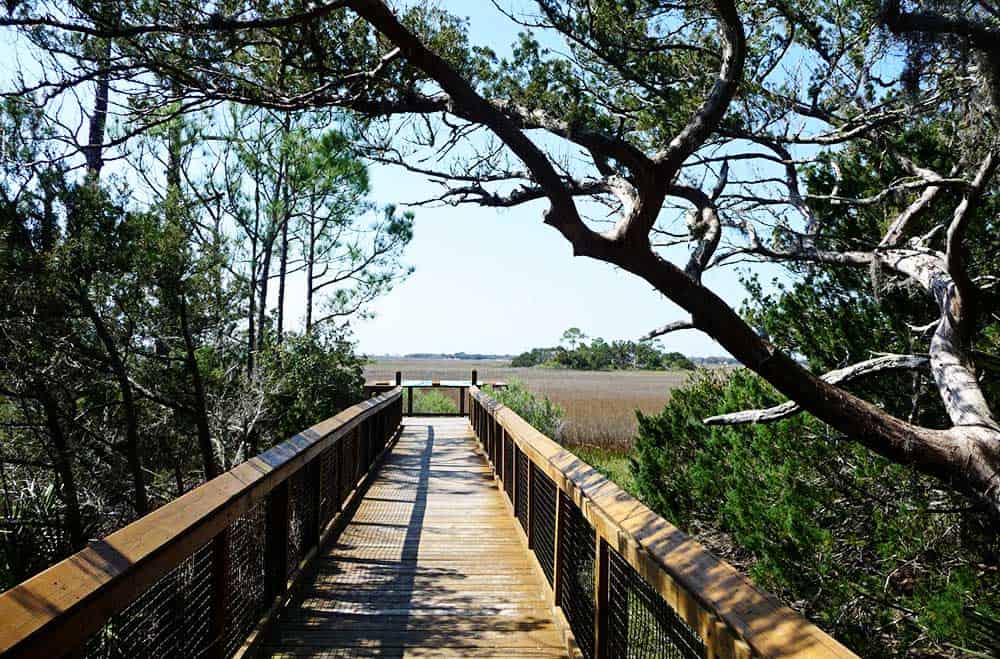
(846,374)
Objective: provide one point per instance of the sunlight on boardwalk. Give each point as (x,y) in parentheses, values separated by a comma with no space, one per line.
(429,566)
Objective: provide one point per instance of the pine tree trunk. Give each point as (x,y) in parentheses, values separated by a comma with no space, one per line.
(64,467)
(310,267)
(131,446)
(209,463)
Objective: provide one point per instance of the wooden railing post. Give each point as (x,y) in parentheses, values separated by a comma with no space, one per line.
(461,401)
(399,378)
(276,548)
(601,599)
(475,377)
(409,401)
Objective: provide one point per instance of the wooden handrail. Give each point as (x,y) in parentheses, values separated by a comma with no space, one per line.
(733,617)
(57,610)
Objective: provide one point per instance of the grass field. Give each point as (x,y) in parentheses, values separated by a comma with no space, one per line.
(600,406)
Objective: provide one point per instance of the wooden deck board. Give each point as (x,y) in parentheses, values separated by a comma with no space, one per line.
(430,565)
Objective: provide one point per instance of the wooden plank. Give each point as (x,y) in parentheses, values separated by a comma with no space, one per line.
(60,607)
(430,565)
(702,588)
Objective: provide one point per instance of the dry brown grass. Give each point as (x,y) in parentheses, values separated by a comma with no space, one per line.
(600,406)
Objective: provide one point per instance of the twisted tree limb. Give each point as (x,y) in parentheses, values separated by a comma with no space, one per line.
(846,374)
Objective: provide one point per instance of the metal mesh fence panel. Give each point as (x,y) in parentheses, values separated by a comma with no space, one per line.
(346,470)
(368,443)
(245,602)
(496,437)
(508,467)
(543,520)
(641,624)
(496,451)
(301,517)
(357,467)
(576,573)
(329,496)
(167,620)
(521,506)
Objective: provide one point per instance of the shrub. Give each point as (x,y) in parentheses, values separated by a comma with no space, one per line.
(875,553)
(544,415)
(433,402)
(309,377)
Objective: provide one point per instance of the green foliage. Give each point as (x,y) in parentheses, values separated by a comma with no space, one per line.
(30,528)
(851,537)
(308,378)
(126,367)
(432,402)
(533,357)
(544,415)
(599,355)
(609,461)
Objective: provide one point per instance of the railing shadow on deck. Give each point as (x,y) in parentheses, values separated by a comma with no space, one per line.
(392,605)
(403,580)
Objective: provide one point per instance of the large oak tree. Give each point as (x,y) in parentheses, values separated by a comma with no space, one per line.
(655,124)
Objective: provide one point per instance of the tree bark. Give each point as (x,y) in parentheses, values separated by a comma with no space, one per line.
(286,214)
(131,446)
(209,464)
(64,467)
(310,269)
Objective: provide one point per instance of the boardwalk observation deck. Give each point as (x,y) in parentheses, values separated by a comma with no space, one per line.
(378,534)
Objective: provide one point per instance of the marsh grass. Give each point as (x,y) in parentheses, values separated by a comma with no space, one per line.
(600,405)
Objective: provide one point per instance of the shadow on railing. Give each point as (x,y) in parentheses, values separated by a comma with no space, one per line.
(626,582)
(205,574)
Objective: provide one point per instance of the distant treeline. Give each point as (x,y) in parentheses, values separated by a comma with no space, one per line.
(453,355)
(599,355)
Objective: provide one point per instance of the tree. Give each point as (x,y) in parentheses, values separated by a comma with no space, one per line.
(123,341)
(661,103)
(308,188)
(572,338)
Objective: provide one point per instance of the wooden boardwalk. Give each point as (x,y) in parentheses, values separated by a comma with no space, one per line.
(430,565)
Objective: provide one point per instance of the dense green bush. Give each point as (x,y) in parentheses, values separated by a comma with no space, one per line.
(544,415)
(432,402)
(880,556)
(309,377)
(533,357)
(599,355)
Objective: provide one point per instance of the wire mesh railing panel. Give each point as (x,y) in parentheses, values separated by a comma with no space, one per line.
(245,599)
(346,469)
(521,492)
(543,520)
(368,443)
(494,437)
(301,518)
(329,496)
(358,467)
(641,624)
(508,466)
(576,573)
(167,620)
